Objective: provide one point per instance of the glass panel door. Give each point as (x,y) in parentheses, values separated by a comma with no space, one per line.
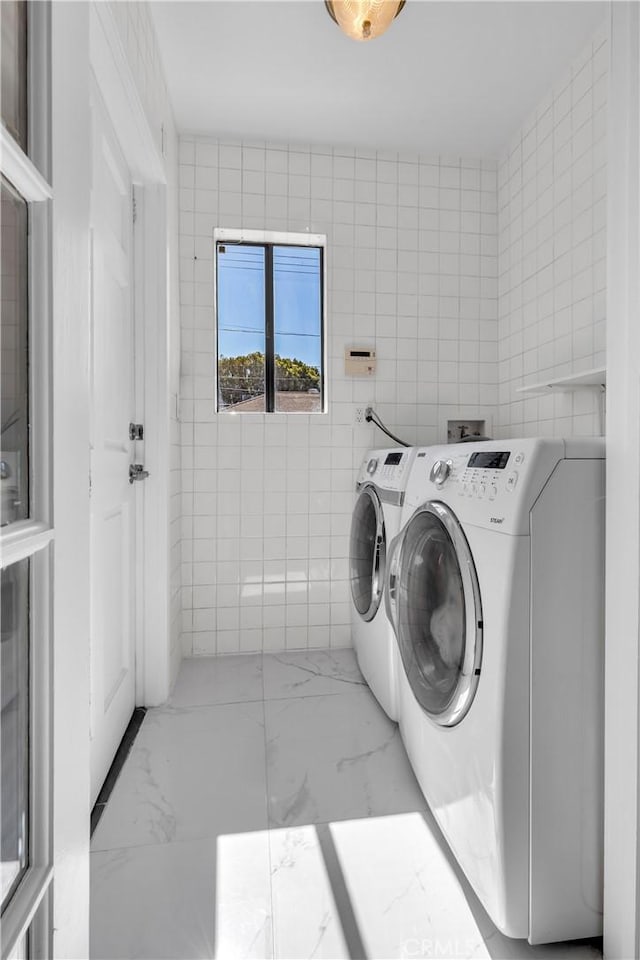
(13,14)
(14,725)
(14,380)
(25,485)
(367,554)
(439,624)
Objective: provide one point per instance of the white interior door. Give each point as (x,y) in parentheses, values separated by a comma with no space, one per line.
(113,497)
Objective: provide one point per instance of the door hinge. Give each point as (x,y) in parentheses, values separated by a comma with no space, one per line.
(134,207)
(90,483)
(136,431)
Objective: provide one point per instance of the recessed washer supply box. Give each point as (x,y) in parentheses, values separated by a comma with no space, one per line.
(359,362)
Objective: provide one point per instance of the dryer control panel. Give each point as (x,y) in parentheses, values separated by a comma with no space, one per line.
(481,474)
(388,469)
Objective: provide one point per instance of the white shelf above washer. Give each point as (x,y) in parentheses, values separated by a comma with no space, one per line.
(588,379)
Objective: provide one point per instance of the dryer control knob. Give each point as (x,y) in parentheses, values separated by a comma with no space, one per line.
(440,472)
(372,466)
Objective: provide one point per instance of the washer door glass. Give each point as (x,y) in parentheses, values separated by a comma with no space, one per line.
(439,617)
(367,553)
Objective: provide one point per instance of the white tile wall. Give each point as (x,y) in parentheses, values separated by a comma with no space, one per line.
(552,244)
(138,37)
(267,499)
(413,249)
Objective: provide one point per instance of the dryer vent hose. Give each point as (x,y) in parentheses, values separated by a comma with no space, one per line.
(372,417)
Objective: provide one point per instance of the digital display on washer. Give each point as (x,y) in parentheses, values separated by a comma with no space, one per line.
(489,461)
(393,459)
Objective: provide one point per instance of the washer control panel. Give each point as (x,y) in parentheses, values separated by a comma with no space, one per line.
(482,475)
(491,484)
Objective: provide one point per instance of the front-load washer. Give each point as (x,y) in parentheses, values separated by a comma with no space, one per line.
(380,486)
(496,594)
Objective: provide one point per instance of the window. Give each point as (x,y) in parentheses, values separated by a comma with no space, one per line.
(26,534)
(269,322)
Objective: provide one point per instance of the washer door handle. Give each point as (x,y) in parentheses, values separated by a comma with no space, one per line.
(391,586)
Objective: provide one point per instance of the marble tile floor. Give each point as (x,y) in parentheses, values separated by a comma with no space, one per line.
(269,811)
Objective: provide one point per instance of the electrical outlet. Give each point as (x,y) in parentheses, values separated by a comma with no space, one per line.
(359,418)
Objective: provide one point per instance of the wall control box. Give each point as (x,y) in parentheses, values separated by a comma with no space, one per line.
(359,362)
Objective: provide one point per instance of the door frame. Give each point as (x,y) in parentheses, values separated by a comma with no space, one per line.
(119,93)
(622,646)
(153,668)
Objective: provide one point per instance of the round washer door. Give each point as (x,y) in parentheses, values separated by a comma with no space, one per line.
(367,553)
(439,615)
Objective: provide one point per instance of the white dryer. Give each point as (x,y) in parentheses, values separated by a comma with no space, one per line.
(496,594)
(375,522)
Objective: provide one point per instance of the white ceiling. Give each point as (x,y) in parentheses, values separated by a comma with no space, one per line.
(448,77)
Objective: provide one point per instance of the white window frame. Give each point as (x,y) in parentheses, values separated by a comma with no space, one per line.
(275,237)
(28,911)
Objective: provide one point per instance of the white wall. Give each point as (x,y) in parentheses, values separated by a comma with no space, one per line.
(137,32)
(267,499)
(552,252)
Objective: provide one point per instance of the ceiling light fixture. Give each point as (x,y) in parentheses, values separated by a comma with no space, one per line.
(364,19)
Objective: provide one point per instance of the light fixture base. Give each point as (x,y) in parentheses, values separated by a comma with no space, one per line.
(367,27)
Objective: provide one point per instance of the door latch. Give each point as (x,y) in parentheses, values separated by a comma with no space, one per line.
(392,586)
(137,472)
(136,431)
